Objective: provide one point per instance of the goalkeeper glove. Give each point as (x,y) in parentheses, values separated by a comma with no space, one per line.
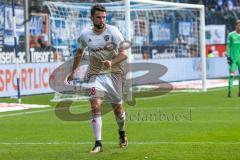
(229,60)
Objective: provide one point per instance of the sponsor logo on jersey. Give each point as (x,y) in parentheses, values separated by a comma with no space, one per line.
(106,37)
(97,49)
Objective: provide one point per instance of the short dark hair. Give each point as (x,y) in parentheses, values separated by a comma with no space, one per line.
(237,21)
(97,7)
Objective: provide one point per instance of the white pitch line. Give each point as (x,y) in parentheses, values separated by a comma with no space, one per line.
(181,108)
(32,112)
(130,143)
(176,93)
(24,113)
(130,109)
(157,97)
(174,122)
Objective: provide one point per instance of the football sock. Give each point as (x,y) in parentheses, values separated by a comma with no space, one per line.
(97,126)
(122,134)
(239,83)
(230,83)
(120,121)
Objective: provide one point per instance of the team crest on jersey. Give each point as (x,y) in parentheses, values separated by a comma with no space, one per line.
(89,40)
(106,37)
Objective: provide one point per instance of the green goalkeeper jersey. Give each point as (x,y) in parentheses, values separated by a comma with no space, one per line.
(233,46)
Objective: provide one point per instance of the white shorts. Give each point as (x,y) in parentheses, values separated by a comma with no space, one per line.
(106,86)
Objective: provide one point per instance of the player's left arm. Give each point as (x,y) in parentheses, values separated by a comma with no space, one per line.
(122,54)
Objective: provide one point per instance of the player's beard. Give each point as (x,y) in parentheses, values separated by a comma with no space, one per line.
(99,26)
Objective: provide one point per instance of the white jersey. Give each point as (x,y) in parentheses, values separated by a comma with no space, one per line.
(96,45)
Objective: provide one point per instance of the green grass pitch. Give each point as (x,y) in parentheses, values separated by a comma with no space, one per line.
(174,126)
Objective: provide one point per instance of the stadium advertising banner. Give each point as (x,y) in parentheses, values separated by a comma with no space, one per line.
(218,50)
(39,25)
(65,32)
(74,30)
(8,37)
(36,25)
(161,33)
(39,30)
(1,25)
(185,28)
(36,56)
(59,32)
(122,27)
(216,67)
(34,79)
(215,34)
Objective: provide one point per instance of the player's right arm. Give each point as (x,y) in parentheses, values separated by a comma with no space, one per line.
(76,62)
(229,44)
(77,58)
(229,49)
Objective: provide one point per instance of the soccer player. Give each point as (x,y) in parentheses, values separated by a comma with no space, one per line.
(105,71)
(233,56)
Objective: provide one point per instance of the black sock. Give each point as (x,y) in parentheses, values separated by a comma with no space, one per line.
(98,143)
(122,134)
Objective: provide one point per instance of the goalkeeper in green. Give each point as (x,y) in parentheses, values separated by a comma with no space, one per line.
(233,56)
